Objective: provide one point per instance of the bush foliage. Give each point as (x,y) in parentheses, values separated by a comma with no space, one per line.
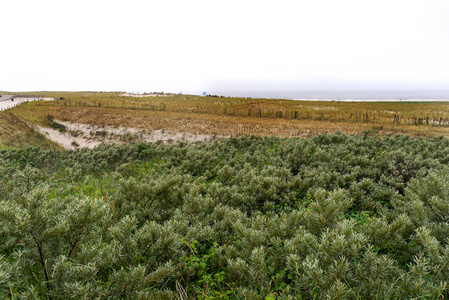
(333,216)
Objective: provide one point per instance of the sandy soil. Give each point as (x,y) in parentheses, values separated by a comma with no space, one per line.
(85,135)
(143,95)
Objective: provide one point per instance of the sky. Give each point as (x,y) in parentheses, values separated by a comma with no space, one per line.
(195,46)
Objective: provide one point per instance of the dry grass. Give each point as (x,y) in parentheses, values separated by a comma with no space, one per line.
(238,116)
(16,133)
(405,112)
(211,123)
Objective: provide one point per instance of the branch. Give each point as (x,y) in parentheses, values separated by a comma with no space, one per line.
(3,185)
(41,256)
(72,247)
(148,248)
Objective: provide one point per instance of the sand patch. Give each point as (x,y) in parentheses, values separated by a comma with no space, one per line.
(79,135)
(143,95)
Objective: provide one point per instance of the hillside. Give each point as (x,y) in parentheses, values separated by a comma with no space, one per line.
(16,133)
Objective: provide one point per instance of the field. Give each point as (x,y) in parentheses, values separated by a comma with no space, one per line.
(240,116)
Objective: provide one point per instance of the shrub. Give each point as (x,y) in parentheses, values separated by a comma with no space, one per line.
(334,216)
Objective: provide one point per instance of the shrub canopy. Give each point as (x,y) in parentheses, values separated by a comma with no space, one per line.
(333,216)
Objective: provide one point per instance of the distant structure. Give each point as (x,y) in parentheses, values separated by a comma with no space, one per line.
(6,97)
(154,94)
(204,94)
(33,97)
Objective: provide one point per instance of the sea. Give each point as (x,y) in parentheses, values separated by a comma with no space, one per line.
(349,96)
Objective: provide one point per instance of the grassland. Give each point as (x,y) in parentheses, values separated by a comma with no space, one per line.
(239,116)
(16,133)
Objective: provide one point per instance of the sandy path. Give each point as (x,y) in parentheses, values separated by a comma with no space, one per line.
(84,135)
(66,139)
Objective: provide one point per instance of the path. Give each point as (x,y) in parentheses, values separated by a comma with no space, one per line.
(7,103)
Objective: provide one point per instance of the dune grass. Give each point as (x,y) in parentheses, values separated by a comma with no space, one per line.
(16,133)
(239,116)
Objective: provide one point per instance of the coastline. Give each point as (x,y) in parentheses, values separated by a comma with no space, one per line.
(344,96)
(373,100)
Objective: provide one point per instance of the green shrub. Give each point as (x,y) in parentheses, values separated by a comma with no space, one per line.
(334,216)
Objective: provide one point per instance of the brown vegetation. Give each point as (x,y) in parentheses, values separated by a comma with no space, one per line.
(16,133)
(239,116)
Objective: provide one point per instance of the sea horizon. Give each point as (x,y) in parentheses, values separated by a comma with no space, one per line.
(339,95)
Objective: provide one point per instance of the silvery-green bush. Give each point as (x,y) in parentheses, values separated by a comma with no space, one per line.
(333,216)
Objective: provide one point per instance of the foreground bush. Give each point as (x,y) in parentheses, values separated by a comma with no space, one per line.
(334,216)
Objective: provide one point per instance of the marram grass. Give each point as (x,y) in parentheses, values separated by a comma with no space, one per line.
(240,116)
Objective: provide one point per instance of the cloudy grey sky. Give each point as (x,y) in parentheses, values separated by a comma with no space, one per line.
(194,46)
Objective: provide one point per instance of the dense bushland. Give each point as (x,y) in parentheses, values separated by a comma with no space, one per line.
(333,216)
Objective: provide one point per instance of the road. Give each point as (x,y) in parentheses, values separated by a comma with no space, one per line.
(6,103)
(5,97)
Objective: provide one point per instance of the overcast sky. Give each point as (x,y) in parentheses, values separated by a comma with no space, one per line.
(194,46)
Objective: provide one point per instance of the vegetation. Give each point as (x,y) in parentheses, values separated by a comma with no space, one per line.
(333,216)
(239,116)
(55,125)
(16,133)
